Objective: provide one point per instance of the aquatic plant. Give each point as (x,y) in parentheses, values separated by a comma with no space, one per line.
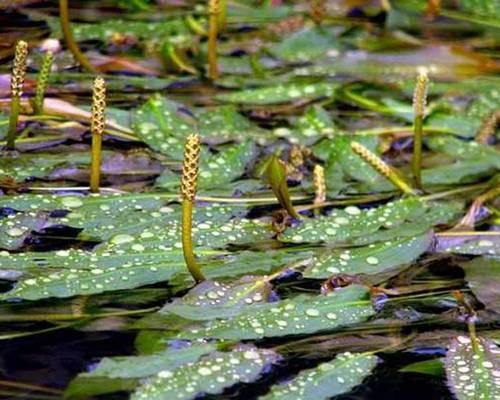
(189,182)
(97,123)
(41,82)
(214,12)
(276,176)
(16,91)
(382,168)
(319,185)
(69,39)
(419,102)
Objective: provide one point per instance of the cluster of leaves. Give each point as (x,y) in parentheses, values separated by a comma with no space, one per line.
(367,260)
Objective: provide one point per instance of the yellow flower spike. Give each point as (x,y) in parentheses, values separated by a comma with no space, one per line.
(41,82)
(419,102)
(317,11)
(319,185)
(214,9)
(97,124)
(382,168)
(68,37)
(189,182)
(16,90)
(488,127)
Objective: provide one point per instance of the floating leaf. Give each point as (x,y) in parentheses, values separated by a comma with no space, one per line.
(352,223)
(16,228)
(219,300)
(66,273)
(314,124)
(162,126)
(210,375)
(225,123)
(122,373)
(483,276)
(474,245)
(370,259)
(329,379)
(472,367)
(143,366)
(296,316)
(304,45)
(344,165)
(282,93)
(428,367)
(174,30)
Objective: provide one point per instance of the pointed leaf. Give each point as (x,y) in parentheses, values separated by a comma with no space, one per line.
(370,259)
(329,379)
(472,368)
(210,375)
(295,316)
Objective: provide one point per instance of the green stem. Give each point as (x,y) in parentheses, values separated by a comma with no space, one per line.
(68,37)
(15,107)
(187,241)
(213,71)
(417,151)
(95,162)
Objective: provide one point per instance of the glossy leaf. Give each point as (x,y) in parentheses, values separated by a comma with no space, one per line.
(370,259)
(472,367)
(329,379)
(283,93)
(295,316)
(210,375)
(353,223)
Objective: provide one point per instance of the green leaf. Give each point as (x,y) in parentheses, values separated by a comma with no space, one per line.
(210,375)
(370,259)
(329,379)
(174,30)
(225,166)
(295,316)
(40,165)
(352,223)
(143,366)
(485,8)
(66,273)
(465,150)
(483,277)
(304,45)
(16,228)
(161,125)
(344,165)
(472,367)
(122,373)
(432,367)
(314,124)
(225,123)
(282,93)
(472,245)
(219,300)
